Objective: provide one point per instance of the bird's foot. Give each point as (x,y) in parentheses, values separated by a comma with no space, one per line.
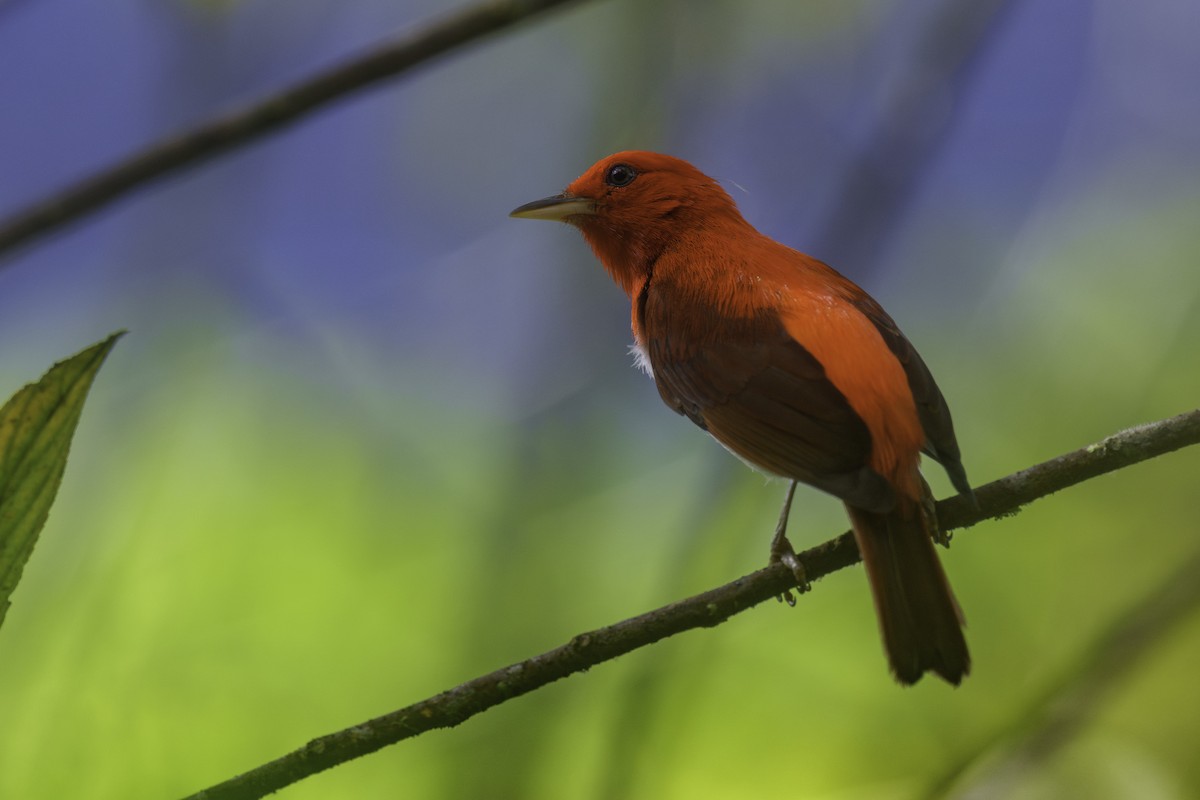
(782,553)
(929,511)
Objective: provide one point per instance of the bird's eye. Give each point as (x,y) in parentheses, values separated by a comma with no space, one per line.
(620,175)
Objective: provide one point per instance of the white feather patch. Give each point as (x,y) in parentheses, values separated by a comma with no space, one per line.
(640,359)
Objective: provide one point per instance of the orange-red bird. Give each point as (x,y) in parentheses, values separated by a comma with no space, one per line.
(792,367)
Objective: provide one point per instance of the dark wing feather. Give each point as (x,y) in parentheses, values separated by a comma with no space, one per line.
(766,398)
(940,442)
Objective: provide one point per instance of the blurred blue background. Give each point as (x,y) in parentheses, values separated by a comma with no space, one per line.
(369,438)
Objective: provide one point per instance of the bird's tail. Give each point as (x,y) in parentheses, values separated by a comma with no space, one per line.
(918,615)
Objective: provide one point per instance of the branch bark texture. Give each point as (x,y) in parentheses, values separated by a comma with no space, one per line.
(1000,498)
(246,124)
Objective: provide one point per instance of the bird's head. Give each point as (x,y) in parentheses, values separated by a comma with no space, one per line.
(633,205)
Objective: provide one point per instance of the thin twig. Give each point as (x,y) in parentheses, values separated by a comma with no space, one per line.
(997,499)
(246,124)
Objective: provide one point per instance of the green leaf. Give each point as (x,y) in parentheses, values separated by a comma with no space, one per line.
(36,427)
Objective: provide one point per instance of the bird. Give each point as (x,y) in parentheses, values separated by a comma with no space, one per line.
(793,368)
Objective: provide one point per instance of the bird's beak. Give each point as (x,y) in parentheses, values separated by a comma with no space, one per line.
(560,208)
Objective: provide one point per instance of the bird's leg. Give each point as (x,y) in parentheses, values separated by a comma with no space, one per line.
(781,548)
(782,551)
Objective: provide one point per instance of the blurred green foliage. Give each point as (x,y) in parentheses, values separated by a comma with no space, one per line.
(246,560)
(365,443)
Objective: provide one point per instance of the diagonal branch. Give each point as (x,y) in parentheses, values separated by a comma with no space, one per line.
(246,124)
(1000,498)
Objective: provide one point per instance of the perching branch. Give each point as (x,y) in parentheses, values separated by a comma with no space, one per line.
(1000,498)
(246,124)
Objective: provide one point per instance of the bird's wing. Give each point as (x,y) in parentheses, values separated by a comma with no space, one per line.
(940,441)
(767,399)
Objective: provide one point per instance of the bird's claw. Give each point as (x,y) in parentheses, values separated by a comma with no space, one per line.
(929,512)
(783,553)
